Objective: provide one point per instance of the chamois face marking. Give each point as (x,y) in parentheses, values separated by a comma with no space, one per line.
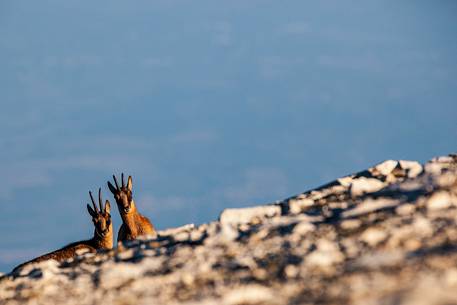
(101,218)
(123,194)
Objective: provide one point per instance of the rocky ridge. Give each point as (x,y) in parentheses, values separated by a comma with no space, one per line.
(386,235)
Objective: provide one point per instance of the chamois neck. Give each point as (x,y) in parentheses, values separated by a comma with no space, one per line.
(130,219)
(103,242)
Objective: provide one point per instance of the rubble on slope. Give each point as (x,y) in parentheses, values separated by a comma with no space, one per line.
(386,235)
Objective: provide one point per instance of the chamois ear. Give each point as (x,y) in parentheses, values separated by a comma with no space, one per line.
(107,207)
(91,212)
(129,183)
(112,188)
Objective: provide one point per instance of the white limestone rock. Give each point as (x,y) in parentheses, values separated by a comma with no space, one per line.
(326,254)
(413,168)
(439,200)
(246,215)
(299,204)
(249,295)
(364,185)
(373,236)
(405,209)
(369,206)
(386,167)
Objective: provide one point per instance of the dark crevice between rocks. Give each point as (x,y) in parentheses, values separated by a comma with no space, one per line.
(170,241)
(319,296)
(243,236)
(275,264)
(388,193)
(443,249)
(96,278)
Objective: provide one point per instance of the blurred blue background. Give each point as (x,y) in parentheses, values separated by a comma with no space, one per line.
(209,104)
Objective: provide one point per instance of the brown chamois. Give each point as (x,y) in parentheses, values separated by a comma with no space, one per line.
(133,223)
(103,235)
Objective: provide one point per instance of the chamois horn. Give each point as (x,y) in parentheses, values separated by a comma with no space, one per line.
(100,198)
(115,181)
(93,202)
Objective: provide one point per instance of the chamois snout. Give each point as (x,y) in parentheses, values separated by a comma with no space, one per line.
(123,202)
(102,226)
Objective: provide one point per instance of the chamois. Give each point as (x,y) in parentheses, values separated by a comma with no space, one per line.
(133,223)
(103,235)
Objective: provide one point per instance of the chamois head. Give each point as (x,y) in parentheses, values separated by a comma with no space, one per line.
(123,195)
(101,218)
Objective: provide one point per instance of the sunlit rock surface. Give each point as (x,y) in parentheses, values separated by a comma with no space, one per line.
(386,235)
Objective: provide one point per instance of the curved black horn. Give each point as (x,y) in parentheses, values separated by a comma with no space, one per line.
(115,181)
(122,178)
(93,202)
(100,198)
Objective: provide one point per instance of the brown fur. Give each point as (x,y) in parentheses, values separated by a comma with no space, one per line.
(133,223)
(103,237)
